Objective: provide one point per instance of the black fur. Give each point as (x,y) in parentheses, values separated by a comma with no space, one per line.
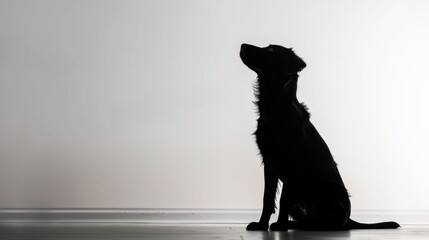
(292,150)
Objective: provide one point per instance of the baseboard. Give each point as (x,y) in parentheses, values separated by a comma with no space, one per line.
(150,216)
(183,216)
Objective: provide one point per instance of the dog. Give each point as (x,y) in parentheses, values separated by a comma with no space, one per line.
(313,193)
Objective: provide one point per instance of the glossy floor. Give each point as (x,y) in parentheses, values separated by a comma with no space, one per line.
(123,231)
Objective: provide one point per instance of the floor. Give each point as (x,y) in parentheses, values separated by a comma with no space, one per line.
(124,231)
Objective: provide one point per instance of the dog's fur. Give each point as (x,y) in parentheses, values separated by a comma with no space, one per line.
(292,150)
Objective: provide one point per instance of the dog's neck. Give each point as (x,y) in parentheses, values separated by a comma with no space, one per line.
(279,103)
(275,92)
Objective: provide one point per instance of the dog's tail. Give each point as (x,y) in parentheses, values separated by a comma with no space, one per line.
(351,224)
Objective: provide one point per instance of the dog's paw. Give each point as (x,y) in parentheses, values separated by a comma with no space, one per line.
(256,226)
(278,227)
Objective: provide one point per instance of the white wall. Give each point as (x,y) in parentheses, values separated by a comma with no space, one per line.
(146,104)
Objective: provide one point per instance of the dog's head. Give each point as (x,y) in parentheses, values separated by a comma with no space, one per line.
(272,59)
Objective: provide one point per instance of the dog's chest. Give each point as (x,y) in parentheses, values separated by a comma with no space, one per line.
(278,139)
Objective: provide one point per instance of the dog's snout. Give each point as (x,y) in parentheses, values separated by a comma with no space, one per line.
(244,45)
(247,47)
(246,50)
(243,50)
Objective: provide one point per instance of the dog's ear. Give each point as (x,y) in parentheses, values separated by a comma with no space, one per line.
(292,62)
(299,64)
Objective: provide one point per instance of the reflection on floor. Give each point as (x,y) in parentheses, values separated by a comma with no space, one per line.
(125,231)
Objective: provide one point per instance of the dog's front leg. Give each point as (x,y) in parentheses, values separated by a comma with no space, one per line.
(283,220)
(270,189)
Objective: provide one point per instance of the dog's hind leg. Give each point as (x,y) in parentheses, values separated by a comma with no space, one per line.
(327,214)
(270,190)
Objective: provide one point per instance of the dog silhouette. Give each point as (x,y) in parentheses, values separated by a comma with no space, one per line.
(313,194)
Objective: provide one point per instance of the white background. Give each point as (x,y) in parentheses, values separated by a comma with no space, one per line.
(146,104)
